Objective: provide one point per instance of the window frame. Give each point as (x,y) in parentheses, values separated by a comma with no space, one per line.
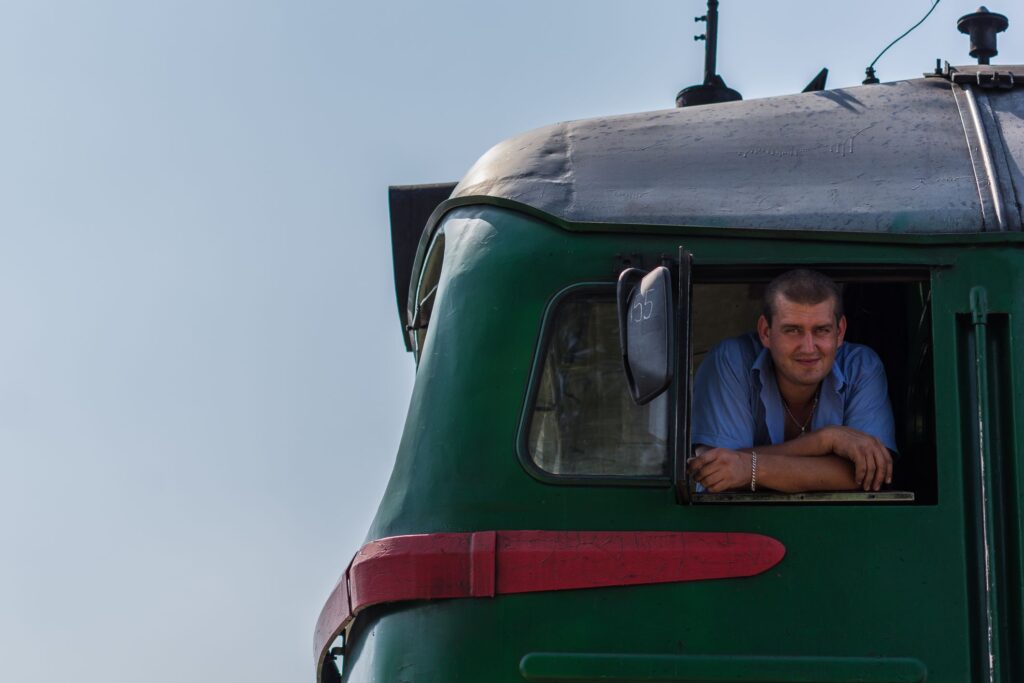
(548,322)
(430,276)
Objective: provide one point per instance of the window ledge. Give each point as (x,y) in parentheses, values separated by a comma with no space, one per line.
(822,497)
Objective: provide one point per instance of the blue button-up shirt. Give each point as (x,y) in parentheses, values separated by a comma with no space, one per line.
(737,404)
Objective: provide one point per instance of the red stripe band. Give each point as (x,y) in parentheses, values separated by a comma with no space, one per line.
(489,563)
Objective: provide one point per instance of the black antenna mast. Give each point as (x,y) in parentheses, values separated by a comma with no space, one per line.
(714,88)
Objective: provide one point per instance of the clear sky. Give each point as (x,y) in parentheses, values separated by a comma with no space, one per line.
(202,377)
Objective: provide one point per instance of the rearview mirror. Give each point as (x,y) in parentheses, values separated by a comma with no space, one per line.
(645,331)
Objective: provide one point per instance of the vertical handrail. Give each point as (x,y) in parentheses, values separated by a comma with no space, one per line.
(979,320)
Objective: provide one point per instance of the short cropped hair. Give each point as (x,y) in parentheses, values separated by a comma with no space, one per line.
(802,286)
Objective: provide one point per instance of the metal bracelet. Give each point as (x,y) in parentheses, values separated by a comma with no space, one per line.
(753,470)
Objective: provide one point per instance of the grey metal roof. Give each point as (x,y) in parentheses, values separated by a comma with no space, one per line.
(919,156)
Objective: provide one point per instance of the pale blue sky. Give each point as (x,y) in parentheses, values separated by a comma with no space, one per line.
(202,379)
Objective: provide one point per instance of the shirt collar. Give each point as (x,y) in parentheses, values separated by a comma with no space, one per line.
(763,361)
(837,372)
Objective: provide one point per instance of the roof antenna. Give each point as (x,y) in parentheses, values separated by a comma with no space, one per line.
(983,27)
(869,72)
(714,88)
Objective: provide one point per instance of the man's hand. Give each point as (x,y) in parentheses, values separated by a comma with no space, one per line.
(871,460)
(721,469)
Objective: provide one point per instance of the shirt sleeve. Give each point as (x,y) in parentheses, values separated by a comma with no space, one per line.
(867,405)
(721,415)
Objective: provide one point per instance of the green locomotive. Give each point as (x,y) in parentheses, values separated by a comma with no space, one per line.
(539,525)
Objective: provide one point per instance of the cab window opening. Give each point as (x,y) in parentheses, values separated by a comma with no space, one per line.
(891,317)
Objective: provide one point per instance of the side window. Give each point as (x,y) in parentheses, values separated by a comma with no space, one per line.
(426,292)
(582,421)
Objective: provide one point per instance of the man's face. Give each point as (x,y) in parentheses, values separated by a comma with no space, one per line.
(803,340)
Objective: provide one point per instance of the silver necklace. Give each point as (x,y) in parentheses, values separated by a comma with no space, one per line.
(803,427)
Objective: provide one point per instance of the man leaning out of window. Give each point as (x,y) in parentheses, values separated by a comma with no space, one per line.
(792,407)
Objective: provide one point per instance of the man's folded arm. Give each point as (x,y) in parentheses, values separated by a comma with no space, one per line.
(829,459)
(724,469)
(796,474)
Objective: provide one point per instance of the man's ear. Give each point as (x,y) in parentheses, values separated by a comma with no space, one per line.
(763,328)
(842,330)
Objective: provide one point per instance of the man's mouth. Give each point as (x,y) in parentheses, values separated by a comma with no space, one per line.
(807,361)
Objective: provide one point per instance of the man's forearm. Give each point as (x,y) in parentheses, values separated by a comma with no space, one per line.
(809,445)
(868,463)
(795,473)
(805,463)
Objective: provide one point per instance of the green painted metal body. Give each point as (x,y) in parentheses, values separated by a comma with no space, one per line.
(866,592)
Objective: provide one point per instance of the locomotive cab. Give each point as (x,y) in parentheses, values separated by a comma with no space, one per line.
(539,524)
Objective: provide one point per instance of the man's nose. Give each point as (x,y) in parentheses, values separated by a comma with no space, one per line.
(807,342)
